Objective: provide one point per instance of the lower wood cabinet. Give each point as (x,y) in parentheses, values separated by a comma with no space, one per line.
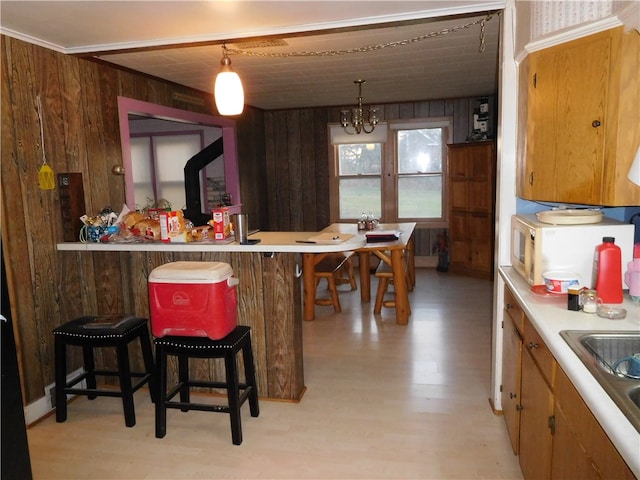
(581,448)
(550,427)
(535,421)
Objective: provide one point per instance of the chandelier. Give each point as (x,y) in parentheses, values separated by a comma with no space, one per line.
(353,121)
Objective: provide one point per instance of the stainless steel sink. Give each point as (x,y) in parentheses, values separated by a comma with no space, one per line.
(599,351)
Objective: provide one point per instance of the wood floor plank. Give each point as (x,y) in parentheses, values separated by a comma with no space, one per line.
(383,401)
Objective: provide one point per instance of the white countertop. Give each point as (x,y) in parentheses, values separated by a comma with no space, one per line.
(549,315)
(269,242)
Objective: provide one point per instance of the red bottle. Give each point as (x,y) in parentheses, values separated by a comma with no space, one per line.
(607,271)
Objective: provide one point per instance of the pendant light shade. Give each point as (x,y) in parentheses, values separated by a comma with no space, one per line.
(228,91)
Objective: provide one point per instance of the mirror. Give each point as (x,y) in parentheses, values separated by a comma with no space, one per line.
(158,141)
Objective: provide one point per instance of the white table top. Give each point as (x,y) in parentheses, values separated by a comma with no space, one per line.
(549,315)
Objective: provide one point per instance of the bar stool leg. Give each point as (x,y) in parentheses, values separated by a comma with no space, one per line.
(89,367)
(231,371)
(183,378)
(124,374)
(147,357)
(250,378)
(61,377)
(161,394)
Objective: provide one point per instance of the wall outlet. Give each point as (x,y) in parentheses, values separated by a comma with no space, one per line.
(50,390)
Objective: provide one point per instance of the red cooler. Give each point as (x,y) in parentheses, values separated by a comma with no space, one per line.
(193,299)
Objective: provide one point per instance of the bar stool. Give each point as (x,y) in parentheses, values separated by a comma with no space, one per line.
(239,340)
(91,332)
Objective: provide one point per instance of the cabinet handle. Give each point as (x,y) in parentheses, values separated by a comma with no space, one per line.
(595,123)
(509,306)
(519,407)
(532,345)
(513,395)
(531,179)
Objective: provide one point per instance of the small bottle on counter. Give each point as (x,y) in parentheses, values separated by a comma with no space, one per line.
(573,298)
(607,271)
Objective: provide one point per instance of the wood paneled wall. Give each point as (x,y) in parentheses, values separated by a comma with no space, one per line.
(81,134)
(297,164)
(284,179)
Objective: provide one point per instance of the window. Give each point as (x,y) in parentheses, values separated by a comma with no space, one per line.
(158,162)
(399,176)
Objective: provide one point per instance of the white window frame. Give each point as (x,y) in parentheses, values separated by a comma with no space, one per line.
(390,175)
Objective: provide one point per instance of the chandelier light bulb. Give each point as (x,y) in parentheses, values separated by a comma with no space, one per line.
(228,91)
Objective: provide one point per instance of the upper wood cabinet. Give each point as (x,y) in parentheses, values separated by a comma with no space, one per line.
(583,125)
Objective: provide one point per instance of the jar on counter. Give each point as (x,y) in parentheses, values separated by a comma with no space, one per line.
(589,300)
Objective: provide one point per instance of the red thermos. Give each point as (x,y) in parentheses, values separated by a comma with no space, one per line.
(607,271)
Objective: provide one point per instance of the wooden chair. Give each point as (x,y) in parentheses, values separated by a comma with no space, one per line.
(334,267)
(384,274)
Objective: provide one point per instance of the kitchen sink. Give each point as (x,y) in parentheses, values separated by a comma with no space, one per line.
(599,351)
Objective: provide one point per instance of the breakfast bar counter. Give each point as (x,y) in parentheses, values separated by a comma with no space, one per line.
(269,291)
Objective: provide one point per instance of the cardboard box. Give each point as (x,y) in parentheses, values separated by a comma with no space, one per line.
(221,223)
(172,226)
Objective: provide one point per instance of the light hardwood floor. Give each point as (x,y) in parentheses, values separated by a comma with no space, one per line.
(383,401)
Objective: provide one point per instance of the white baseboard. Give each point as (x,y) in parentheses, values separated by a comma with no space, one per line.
(43,406)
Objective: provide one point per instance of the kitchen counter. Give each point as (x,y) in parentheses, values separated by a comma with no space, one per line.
(269,242)
(549,315)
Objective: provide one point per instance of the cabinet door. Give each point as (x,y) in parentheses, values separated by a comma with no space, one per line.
(569,459)
(480,241)
(568,95)
(576,431)
(459,158)
(480,178)
(511,360)
(459,239)
(535,434)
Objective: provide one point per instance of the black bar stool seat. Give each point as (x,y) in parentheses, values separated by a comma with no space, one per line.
(91,332)
(239,340)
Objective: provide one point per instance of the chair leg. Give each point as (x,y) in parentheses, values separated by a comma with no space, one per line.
(333,291)
(161,379)
(231,372)
(124,373)
(89,367)
(250,378)
(149,367)
(61,376)
(383,284)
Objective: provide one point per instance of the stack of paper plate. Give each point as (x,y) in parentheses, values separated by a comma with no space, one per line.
(570,217)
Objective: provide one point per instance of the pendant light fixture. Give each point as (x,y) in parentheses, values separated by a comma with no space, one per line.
(228,92)
(353,121)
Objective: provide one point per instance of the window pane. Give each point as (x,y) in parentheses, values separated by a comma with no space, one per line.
(360,159)
(359,195)
(420,196)
(420,150)
(172,153)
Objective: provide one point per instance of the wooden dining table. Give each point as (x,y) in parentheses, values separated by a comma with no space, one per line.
(391,252)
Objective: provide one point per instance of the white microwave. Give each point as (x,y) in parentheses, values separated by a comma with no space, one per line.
(538,247)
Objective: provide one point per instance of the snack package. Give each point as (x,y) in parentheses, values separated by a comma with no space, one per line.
(172,225)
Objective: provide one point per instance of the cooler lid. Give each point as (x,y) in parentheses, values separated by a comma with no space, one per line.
(191,272)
